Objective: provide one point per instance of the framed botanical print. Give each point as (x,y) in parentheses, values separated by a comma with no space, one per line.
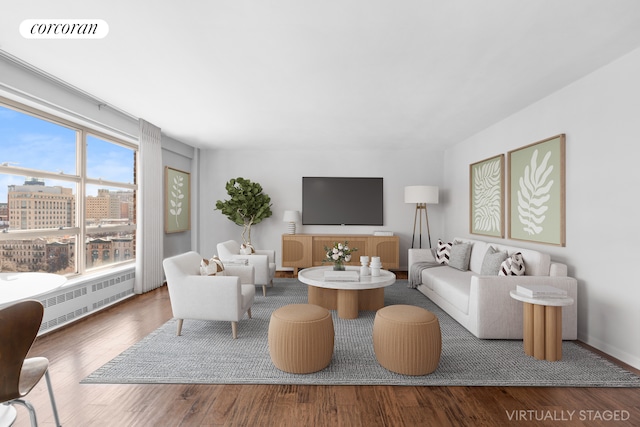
(177,213)
(486,197)
(537,192)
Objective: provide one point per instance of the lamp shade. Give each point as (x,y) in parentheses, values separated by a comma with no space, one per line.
(291,216)
(421,194)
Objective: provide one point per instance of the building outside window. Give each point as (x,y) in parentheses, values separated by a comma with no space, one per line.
(63,186)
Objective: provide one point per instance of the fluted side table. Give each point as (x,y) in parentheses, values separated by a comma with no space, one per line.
(542,325)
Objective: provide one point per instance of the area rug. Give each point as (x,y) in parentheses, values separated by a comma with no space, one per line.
(207,354)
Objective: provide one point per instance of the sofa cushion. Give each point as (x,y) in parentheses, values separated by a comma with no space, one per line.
(459,256)
(512,266)
(443,252)
(452,285)
(492,262)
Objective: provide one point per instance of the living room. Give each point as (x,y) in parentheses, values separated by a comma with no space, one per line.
(591,110)
(596,109)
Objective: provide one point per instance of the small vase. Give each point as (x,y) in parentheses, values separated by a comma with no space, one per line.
(338,266)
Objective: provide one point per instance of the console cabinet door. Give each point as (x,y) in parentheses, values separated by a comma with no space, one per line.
(387,249)
(296,250)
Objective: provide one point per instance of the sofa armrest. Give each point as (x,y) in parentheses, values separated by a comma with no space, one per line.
(497,306)
(558,269)
(420,255)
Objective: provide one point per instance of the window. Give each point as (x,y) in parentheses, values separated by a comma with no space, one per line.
(64,189)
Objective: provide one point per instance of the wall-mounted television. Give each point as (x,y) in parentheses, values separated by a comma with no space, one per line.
(342,201)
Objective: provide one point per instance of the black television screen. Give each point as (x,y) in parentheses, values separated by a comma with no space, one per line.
(342,201)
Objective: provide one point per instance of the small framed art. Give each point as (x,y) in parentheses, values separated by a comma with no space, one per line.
(486,197)
(537,192)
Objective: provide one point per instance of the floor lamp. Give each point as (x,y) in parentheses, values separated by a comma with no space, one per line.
(421,195)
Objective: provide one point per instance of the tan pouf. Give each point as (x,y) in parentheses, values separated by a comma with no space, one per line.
(407,339)
(301,338)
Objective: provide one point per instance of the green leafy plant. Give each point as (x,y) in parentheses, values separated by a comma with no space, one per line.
(247,205)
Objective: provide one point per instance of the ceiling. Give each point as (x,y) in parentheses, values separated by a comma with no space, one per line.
(296,74)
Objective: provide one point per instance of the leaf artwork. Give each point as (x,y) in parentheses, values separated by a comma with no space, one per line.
(534,194)
(176,198)
(487,203)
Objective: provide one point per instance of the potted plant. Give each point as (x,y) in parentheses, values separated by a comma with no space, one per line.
(247,205)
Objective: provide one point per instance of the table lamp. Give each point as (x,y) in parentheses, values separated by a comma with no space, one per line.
(291,217)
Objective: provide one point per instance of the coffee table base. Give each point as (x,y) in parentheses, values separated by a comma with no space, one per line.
(348,302)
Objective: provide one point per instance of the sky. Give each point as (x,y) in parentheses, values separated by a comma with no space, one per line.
(30,142)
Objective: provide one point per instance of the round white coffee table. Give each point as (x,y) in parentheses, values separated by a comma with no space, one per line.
(346,297)
(542,325)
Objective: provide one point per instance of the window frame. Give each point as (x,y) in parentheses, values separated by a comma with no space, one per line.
(80,180)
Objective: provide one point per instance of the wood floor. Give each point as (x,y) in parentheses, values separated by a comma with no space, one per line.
(76,351)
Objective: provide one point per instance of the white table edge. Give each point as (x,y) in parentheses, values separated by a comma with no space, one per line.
(386,278)
(559,301)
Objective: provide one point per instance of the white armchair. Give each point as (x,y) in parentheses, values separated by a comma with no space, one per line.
(194,296)
(263,260)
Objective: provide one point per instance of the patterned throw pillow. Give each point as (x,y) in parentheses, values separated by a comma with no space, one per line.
(212,267)
(512,266)
(247,249)
(443,252)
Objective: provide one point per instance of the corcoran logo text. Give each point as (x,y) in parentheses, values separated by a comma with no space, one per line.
(64,28)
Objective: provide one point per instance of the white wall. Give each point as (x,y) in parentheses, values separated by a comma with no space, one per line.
(280,173)
(600,116)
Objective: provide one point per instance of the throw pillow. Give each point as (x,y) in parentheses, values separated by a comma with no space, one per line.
(492,261)
(443,252)
(212,267)
(512,266)
(247,249)
(459,256)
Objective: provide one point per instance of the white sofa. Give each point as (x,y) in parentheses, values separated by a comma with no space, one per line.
(482,304)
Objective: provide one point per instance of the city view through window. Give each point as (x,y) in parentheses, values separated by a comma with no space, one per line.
(67,195)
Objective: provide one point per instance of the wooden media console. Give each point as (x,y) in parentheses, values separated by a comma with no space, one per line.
(307,250)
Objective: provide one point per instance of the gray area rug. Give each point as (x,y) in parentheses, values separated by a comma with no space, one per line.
(206,354)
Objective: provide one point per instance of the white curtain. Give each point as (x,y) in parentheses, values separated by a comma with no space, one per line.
(150,210)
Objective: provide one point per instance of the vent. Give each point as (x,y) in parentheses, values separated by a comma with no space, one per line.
(111,299)
(66,306)
(68,296)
